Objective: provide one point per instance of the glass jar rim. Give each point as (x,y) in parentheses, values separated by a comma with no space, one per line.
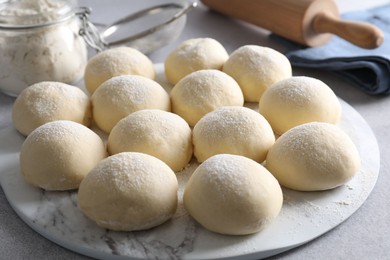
(19,20)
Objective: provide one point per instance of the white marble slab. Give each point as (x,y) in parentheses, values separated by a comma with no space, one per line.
(304,216)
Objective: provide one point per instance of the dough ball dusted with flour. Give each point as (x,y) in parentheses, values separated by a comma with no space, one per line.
(256,68)
(129,191)
(313,156)
(122,95)
(234,195)
(115,62)
(192,55)
(49,101)
(297,100)
(203,91)
(233,130)
(159,133)
(59,154)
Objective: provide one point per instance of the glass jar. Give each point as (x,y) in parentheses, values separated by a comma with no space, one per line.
(40,41)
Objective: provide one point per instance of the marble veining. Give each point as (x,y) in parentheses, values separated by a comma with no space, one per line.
(304,216)
(57,213)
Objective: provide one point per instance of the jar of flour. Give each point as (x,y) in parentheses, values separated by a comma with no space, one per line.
(40,41)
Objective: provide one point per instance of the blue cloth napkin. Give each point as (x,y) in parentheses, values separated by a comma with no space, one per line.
(369,70)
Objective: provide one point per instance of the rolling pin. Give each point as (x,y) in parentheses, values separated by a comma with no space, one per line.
(309,22)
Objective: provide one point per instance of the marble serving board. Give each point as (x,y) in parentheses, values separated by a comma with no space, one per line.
(304,215)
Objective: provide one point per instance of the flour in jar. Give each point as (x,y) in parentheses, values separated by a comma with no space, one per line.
(18,9)
(42,51)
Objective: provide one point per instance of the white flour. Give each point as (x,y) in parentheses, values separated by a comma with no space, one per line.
(48,53)
(17,9)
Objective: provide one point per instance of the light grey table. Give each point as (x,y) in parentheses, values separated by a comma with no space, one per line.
(365,235)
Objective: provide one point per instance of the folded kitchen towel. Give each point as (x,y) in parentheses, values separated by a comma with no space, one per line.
(369,70)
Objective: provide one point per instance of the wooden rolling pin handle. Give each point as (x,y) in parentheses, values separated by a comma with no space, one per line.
(361,34)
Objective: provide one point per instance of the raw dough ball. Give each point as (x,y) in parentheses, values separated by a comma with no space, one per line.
(59,154)
(234,195)
(233,130)
(162,134)
(255,68)
(129,191)
(192,55)
(122,95)
(313,156)
(49,101)
(203,91)
(297,100)
(115,62)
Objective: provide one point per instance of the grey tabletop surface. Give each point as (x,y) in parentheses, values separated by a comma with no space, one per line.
(365,235)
